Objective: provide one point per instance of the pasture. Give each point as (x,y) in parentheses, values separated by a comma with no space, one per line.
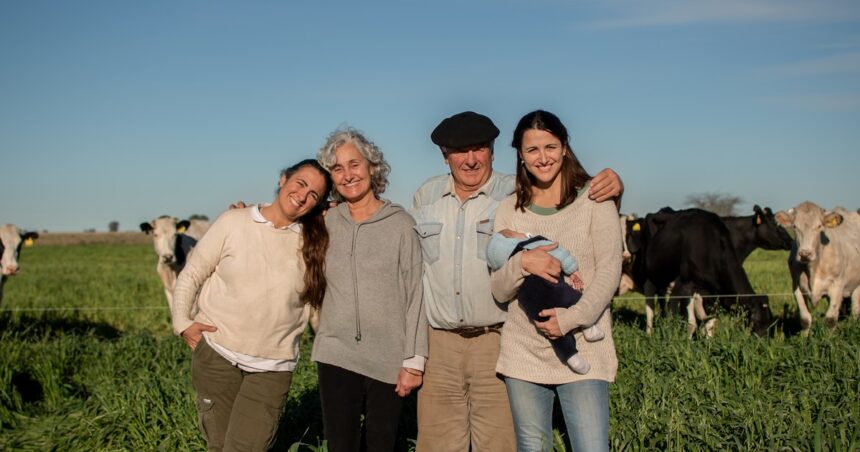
(110,375)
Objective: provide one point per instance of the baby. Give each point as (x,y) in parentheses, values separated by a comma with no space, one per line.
(536,294)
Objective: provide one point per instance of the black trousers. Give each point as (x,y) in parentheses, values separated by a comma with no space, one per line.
(345,396)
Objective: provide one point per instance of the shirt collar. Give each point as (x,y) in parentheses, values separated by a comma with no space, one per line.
(258,217)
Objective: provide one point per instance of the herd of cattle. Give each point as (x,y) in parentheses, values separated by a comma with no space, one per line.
(689,254)
(694,254)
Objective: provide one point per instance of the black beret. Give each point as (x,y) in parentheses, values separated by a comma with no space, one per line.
(464,130)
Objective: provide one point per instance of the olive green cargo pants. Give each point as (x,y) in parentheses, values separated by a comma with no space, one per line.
(237,410)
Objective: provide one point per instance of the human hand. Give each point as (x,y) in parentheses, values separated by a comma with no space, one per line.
(194,333)
(238,205)
(575,281)
(540,263)
(512,234)
(605,185)
(550,327)
(407,380)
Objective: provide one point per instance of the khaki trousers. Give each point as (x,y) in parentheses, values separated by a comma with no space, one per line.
(237,410)
(463,402)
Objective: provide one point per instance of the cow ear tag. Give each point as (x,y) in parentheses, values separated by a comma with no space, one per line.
(757,220)
(181,229)
(29,241)
(833,221)
(636,227)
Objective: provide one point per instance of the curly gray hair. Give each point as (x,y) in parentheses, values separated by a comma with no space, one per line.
(379,168)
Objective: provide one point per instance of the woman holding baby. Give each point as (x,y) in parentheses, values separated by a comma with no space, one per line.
(551,200)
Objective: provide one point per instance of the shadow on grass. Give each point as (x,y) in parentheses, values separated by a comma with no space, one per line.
(35,327)
(630,317)
(302,423)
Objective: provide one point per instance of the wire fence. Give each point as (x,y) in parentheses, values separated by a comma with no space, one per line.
(635,296)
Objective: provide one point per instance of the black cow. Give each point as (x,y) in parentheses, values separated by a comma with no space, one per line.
(694,251)
(759,230)
(11,239)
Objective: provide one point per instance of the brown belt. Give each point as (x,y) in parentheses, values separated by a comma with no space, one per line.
(475,331)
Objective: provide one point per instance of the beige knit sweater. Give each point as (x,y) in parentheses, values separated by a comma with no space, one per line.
(591,232)
(250,276)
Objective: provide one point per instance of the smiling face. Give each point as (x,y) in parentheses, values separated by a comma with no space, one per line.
(301,192)
(542,154)
(351,174)
(470,168)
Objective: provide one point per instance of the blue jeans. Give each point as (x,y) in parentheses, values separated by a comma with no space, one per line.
(585,405)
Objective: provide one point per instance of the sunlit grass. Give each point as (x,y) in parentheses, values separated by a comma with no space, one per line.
(119,379)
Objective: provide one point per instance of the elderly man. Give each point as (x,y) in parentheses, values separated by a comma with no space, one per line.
(462,401)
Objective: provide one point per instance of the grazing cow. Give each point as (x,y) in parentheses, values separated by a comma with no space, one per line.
(759,230)
(11,239)
(825,259)
(173,240)
(694,251)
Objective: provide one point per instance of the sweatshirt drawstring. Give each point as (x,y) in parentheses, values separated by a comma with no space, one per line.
(355,284)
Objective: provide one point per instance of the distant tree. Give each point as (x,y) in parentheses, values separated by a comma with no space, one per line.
(90,230)
(113,226)
(198,216)
(721,204)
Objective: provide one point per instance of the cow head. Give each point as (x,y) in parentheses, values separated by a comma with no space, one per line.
(165,230)
(810,223)
(760,317)
(11,240)
(624,219)
(769,234)
(635,236)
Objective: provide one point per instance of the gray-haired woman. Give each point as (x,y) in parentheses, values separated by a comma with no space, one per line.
(372,339)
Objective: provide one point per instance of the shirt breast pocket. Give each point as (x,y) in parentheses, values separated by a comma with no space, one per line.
(429,234)
(483,230)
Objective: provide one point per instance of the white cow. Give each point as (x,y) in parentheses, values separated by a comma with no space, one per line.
(11,239)
(173,240)
(825,259)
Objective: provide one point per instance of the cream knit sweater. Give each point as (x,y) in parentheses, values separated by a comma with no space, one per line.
(592,234)
(251,276)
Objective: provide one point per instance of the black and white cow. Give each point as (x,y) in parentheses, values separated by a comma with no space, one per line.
(749,232)
(11,240)
(694,251)
(825,259)
(173,240)
(626,284)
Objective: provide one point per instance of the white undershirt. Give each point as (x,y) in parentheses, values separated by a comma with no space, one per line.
(250,363)
(256,364)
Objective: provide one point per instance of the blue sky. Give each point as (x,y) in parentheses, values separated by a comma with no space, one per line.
(124,111)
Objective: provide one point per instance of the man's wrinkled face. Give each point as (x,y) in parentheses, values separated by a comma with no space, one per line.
(471,168)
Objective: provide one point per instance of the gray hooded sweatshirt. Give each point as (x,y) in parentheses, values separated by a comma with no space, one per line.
(372,316)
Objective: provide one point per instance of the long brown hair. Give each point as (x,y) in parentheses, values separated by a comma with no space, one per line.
(573,175)
(314,237)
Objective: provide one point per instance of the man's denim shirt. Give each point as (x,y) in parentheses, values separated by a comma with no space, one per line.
(454,239)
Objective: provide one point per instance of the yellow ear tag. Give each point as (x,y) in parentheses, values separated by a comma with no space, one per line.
(636,227)
(757,220)
(29,241)
(833,221)
(180,230)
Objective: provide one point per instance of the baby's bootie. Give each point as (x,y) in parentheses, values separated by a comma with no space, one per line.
(578,364)
(593,333)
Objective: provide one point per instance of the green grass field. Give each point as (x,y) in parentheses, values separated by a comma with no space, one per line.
(115,378)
